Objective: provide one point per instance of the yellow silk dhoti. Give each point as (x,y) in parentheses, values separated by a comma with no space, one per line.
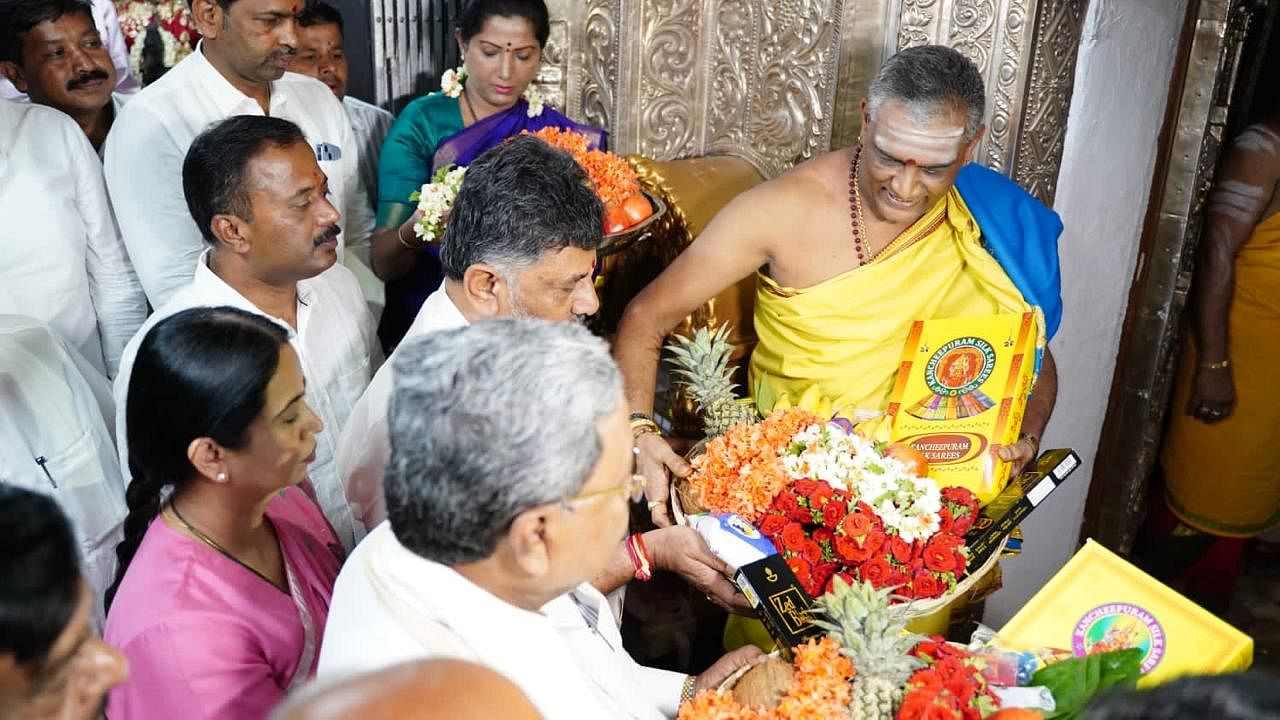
(1224,478)
(846,334)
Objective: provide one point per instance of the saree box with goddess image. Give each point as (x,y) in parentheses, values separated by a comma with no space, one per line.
(1098,602)
(961,390)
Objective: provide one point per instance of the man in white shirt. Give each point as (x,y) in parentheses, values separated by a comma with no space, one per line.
(55,439)
(238,69)
(507,491)
(509,253)
(108,24)
(255,189)
(51,50)
(321,56)
(61,259)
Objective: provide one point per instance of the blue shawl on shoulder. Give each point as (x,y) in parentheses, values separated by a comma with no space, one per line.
(1021,234)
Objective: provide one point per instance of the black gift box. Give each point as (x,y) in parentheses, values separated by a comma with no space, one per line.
(779,599)
(999,517)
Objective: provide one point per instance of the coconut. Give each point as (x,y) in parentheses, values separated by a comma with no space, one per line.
(764,685)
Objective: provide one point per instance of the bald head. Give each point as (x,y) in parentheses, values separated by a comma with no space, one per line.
(422,690)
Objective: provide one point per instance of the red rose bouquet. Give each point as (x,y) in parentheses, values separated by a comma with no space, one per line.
(950,686)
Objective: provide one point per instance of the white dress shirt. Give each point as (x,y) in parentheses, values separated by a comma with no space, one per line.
(370,124)
(55,439)
(391,606)
(336,342)
(108,24)
(61,259)
(365,445)
(149,140)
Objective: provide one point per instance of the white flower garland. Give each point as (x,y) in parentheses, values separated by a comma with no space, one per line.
(907,504)
(435,200)
(452,82)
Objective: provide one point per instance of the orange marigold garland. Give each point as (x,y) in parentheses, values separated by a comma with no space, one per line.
(742,471)
(821,690)
(614,178)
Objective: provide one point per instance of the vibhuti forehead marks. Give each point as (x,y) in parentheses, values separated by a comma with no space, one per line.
(925,147)
(1238,201)
(1258,138)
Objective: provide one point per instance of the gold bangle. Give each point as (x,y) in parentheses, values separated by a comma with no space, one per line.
(686,690)
(640,426)
(400,237)
(1220,365)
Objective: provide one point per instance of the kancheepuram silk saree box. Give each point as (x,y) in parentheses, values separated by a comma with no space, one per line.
(1099,602)
(962,388)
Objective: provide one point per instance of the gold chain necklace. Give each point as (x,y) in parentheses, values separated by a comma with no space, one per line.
(173,508)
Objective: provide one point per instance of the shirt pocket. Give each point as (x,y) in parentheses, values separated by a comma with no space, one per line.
(92,497)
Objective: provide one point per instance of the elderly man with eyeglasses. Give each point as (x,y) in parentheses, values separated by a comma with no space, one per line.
(507,493)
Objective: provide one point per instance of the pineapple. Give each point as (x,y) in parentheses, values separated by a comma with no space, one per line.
(872,633)
(702,365)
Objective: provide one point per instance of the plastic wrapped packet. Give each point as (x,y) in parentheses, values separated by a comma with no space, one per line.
(731,538)
(1009,667)
(1031,698)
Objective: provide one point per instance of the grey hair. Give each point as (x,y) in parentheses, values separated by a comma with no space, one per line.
(488,421)
(930,81)
(519,200)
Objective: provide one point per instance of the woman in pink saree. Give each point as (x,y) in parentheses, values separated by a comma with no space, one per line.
(224,583)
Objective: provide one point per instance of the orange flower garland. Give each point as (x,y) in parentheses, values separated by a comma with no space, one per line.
(821,690)
(741,471)
(613,176)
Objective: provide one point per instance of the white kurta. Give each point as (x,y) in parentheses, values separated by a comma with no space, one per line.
(61,259)
(365,445)
(390,606)
(337,344)
(55,439)
(149,140)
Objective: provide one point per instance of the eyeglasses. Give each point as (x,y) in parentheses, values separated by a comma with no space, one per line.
(634,487)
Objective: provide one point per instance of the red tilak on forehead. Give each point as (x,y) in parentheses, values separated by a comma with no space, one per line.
(910,162)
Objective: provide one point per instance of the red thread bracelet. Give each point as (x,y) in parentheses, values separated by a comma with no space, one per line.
(639,555)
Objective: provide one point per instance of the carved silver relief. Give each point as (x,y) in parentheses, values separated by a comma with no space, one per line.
(553,75)
(1038,154)
(599,72)
(669,81)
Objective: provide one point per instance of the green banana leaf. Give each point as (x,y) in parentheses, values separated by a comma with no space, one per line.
(1076,681)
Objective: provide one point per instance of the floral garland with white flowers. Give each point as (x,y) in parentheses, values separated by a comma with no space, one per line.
(452,82)
(907,504)
(435,200)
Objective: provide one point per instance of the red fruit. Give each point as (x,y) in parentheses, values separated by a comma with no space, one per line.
(909,456)
(615,220)
(637,208)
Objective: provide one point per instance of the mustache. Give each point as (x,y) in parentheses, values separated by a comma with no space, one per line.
(288,51)
(81,80)
(329,234)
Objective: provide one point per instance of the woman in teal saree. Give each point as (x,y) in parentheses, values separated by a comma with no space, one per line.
(478,108)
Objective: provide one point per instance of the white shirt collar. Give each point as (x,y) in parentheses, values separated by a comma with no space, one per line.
(227,97)
(213,290)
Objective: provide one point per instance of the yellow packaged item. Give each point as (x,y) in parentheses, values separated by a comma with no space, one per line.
(962,388)
(1099,602)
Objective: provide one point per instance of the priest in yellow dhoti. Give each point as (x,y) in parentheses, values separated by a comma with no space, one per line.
(1221,453)
(823,335)
(853,246)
